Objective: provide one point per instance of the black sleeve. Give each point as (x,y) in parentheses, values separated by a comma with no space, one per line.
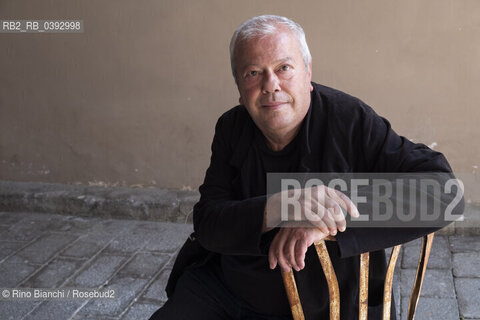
(223,223)
(384,151)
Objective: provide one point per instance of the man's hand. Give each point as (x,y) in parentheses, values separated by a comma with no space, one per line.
(319,206)
(290,245)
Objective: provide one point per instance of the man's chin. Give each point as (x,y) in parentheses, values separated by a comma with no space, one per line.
(277,125)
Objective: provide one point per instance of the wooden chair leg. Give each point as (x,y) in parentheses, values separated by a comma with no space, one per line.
(292,294)
(291,286)
(331,279)
(421,268)
(387,289)
(363,295)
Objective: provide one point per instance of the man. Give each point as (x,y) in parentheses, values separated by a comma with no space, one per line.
(228,269)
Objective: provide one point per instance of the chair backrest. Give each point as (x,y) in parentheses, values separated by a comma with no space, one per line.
(294,299)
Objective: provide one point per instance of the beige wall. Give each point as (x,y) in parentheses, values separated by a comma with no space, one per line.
(134,99)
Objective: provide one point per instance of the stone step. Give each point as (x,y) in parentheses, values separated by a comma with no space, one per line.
(154,204)
(166,205)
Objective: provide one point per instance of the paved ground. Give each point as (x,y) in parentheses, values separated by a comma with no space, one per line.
(135,257)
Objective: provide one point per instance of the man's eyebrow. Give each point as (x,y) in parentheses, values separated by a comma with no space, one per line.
(287,59)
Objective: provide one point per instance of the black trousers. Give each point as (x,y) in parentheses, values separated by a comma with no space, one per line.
(201,295)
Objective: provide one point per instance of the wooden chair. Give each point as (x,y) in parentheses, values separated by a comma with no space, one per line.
(294,299)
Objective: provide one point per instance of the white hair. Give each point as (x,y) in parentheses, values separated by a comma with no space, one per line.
(262,26)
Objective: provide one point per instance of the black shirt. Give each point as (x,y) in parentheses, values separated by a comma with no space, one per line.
(248,276)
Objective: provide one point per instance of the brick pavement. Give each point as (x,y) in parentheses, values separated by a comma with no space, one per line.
(135,258)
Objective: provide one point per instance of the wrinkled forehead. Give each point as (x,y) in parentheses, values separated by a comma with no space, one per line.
(247,50)
(279,33)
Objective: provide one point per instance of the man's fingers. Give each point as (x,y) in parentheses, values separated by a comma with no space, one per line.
(337,215)
(328,219)
(272,261)
(290,252)
(325,215)
(290,245)
(339,218)
(275,248)
(333,218)
(300,251)
(327,204)
(345,202)
(318,215)
(279,249)
(318,220)
(272,258)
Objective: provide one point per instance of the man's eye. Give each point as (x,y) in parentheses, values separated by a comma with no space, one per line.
(252,73)
(285,68)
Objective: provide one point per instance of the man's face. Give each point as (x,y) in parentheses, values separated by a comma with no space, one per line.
(273,82)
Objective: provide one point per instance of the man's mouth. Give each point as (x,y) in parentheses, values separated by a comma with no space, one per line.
(273,104)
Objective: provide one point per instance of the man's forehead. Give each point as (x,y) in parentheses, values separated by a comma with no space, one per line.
(278,36)
(281,46)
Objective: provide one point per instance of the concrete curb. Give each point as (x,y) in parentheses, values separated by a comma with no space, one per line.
(105,202)
(167,205)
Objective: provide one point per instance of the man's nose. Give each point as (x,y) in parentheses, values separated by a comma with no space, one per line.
(271,83)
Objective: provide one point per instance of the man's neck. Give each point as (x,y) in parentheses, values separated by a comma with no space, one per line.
(277,142)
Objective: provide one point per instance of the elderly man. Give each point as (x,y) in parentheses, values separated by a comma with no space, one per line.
(230,267)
